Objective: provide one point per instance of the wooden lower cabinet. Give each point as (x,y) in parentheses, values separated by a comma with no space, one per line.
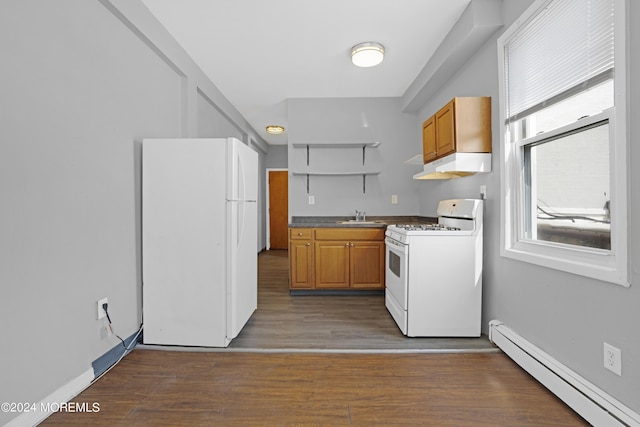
(366,264)
(332,265)
(337,258)
(301,256)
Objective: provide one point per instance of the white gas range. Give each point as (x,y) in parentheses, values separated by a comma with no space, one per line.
(434,272)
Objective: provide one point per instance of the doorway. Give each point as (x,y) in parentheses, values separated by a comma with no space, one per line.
(278,209)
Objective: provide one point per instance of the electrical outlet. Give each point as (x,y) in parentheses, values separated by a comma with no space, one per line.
(101,313)
(312,200)
(483,192)
(613,359)
(394,199)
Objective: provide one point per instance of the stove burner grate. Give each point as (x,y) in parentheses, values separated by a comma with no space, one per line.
(426,227)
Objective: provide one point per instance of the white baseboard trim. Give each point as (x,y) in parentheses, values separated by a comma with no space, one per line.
(592,403)
(62,395)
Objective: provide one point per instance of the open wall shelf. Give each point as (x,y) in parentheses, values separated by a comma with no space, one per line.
(335,144)
(347,145)
(364,176)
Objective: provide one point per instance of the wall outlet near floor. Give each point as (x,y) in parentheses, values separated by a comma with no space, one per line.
(394,199)
(613,359)
(101,313)
(312,200)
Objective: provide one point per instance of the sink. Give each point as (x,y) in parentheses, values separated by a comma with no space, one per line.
(353,221)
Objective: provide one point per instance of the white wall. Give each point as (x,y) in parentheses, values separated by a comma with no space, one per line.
(81,83)
(567,316)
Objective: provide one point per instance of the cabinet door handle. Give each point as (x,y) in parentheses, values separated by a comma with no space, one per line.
(307,244)
(299,234)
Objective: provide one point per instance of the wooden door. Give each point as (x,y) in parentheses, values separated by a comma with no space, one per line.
(278,209)
(367,265)
(445,130)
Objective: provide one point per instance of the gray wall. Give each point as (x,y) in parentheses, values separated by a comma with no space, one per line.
(212,123)
(263,151)
(277,157)
(567,316)
(81,83)
(344,120)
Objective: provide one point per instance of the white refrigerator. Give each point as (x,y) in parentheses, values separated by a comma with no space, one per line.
(199,240)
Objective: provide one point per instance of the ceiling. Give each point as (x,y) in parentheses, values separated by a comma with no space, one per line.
(259,53)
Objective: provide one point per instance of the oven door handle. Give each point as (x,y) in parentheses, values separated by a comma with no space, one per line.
(395,246)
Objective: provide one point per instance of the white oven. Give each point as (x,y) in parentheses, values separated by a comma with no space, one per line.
(397,263)
(434,272)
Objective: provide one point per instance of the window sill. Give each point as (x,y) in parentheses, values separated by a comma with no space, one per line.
(592,264)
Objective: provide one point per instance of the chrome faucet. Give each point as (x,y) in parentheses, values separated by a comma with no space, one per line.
(360,216)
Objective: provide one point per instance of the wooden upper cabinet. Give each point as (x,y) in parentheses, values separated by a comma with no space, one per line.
(463,126)
(429,140)
(473,124)
(445,123)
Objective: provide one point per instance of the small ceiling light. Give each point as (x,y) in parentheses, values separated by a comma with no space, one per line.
(275,129)
(368,54)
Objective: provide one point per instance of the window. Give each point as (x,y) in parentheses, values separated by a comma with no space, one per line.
(562,106)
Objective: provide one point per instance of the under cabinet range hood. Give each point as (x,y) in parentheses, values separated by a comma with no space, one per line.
(456,165)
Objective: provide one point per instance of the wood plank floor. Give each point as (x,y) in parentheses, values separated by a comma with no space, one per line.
(359,322)
(301,378)
(159,388)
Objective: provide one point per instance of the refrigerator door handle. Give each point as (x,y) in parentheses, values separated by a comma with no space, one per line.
(240,214)
(240,222)
(241,178)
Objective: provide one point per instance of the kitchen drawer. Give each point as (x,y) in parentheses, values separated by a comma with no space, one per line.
(348,234)
(300,233)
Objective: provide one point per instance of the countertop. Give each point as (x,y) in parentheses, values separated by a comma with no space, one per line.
(371,221)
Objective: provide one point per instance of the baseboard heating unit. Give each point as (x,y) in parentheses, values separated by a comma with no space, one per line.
(593,404)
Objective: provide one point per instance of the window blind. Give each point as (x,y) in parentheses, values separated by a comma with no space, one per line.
(563,50)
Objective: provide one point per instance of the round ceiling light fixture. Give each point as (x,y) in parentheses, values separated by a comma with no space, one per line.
(367,54)
(275,129)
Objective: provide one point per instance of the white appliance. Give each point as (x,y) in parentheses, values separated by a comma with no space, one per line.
(199,239)
(456,165)
(434,272)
